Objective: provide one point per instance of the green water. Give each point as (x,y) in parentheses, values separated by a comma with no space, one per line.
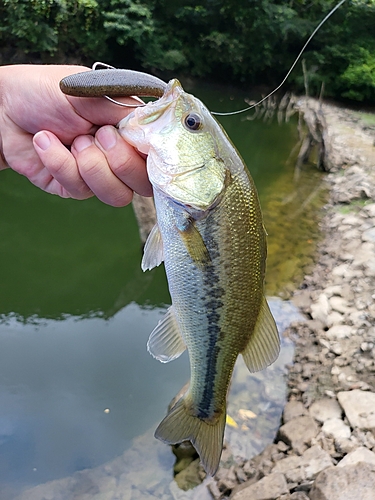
(76,310)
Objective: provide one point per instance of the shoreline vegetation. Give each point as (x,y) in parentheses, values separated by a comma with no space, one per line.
(226,41)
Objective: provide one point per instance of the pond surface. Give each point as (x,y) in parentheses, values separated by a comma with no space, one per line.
(76,382)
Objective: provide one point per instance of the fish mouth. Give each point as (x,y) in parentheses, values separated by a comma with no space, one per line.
(135,127)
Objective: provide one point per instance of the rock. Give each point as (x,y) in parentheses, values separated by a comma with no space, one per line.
(292,410)
(308,466)
(334,318)
(353,482)
(336,428)
(359,408)
(339,332)
(321,309)
(338,304)
(298,495)
(296,475)
(268,488)
(370,209)
(361,454)
(189,478)
(298,432)
(302,299)
(369,235)
(344,445)
(324,409)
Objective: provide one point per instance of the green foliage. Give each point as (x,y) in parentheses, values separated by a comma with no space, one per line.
(249,41)
(128,20)
(29,25)
(47,26)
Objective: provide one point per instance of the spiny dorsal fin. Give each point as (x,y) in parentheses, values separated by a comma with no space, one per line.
(165,342)
(153,254)
(264,344)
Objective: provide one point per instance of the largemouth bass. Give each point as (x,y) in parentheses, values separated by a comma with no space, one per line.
(211,237)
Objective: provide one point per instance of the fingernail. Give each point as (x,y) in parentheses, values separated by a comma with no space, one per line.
(106,137)
(82,142)
(42,140)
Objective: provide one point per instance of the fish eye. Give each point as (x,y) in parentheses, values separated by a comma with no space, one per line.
(193,121)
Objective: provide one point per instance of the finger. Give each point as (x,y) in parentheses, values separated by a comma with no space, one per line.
(95,171)
(99,110)
(21,157)
(60,172)
(123,160)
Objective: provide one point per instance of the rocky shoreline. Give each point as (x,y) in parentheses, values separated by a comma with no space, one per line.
(325,447)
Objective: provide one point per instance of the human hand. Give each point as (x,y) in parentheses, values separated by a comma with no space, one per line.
(66,145)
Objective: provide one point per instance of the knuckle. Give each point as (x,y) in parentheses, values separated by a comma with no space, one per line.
(123,168)
(89,167)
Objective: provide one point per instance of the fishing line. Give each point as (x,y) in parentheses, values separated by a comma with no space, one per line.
(290,70)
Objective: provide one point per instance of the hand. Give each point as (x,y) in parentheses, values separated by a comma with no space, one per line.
(66,145)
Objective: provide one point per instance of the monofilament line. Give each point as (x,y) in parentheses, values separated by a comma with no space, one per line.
(290,70)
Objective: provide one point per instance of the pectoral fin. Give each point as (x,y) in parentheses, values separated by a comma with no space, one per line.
(153,254)
(194,244)
(264,345)
(165,342)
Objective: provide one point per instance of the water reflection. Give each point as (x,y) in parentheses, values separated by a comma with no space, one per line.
(58,377)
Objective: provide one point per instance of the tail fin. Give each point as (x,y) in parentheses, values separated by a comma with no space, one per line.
(207,438)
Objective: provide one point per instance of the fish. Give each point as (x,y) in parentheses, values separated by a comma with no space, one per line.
(211,237)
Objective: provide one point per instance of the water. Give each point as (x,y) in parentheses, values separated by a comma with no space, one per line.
(76,382)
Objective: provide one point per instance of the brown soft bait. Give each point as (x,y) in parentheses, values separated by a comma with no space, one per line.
(112,83)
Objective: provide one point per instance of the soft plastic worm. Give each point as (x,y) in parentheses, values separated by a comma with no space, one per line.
(112,83)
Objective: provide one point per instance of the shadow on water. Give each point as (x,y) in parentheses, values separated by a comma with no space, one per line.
(77,385)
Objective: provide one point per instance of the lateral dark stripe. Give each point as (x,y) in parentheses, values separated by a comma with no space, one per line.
(212,303)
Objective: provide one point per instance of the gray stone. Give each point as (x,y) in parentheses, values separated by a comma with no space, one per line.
(295,475)
(359,408)
(361,454)
(339,332)
(324,409)
(369,235)
(298,495)
(344,445)
(370,209)
(353,482)
(292,410)
(307,466)
(338,304)
(268,488)
(334,318)
(298,432)
(321,309)
(336,428)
